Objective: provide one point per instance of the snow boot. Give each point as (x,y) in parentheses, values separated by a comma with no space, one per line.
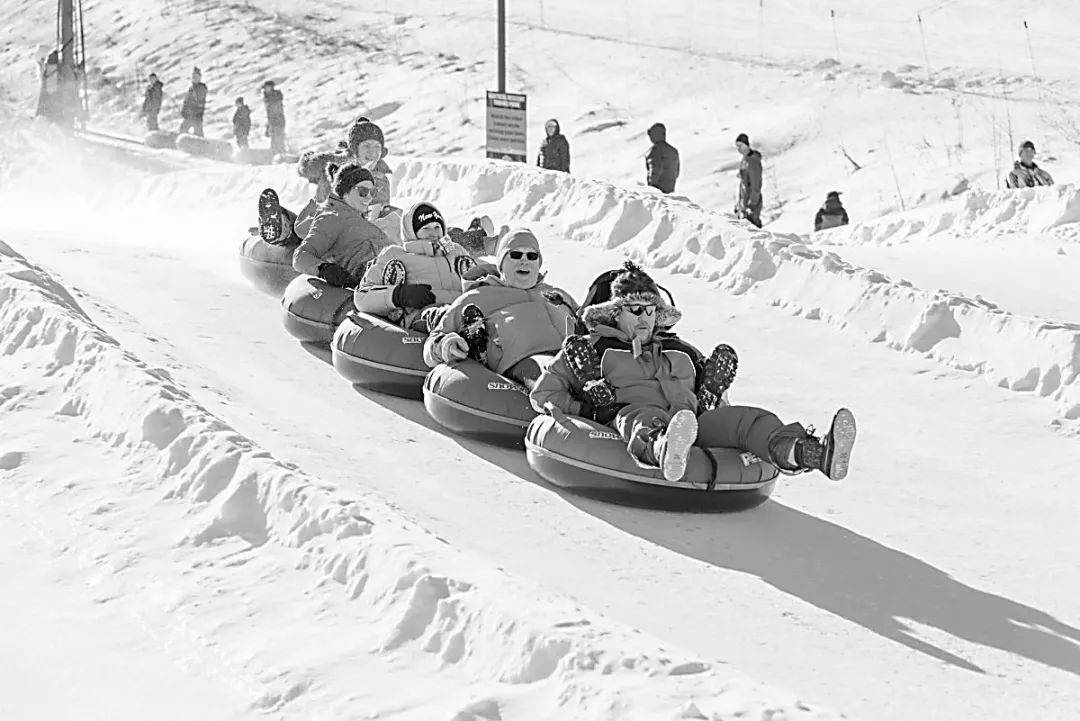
(474,331)
(831,455)
(583,362)
(720,369)
(269,216)
(670,448)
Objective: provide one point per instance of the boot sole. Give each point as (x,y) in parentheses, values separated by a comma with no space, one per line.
(269,215)
(681,433)
(842,441)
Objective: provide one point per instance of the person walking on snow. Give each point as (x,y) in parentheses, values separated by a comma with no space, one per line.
(151,104)
(1025,173)
(750,200)
(241,123)
(191,113)
(831,214)
(275,116)
(662,161)
(555,150)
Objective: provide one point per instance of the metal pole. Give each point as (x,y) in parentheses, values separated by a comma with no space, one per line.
(835,36)
(502,45)
(1031,53)
(926,55)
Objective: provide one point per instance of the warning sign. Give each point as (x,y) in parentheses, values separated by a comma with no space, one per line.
(506,126)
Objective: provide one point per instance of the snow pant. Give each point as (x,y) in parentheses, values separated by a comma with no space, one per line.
(151,121)
(753,214)
(277,138)
(241,139)
(743,427)
(193,124)
(527,370)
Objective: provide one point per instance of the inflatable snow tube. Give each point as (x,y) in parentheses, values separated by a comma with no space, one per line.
(204,147)
(268,267)
(374,353)
(160,139)
(474,401)
(312,309)
(253,156)
(588,457)
(289,158)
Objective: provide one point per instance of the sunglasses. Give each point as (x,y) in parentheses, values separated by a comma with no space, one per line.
(648,310)
(363,191)
(529,255)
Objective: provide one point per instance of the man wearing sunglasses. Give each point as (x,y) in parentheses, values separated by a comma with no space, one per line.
(631,373)
(512,322)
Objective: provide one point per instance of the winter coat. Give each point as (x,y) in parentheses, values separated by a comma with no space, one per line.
(554,151)
(1025,176)
(302,224)
(194,102)
(241,120)
(520,323)
(440,264)
(380,173)
(830,215)
(662,161)
(152,100)
(338,234)
(275,108)
(750,182)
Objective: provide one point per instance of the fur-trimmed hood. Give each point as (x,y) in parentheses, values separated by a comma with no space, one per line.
(630,286)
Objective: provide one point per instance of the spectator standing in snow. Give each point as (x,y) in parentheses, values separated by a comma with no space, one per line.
(750,200)
(151,104)
(831,214)
(662,161)
(241,123)
(275,116)
(1025,173)
(191,113)
(555,150)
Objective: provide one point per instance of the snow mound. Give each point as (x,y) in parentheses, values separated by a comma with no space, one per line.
(437,633)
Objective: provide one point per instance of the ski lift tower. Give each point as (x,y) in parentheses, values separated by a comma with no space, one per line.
(63,82)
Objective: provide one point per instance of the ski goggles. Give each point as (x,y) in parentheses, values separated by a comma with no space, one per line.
(529,254)
(647,310)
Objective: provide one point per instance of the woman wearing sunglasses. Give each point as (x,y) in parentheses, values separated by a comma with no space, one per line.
(341,242)
(512,322)
(630,372)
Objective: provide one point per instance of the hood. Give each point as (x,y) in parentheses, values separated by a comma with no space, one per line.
(658,133)
(493,279)
(832,205)
(1019,165)
(554,121)
(605,315)
(427,213)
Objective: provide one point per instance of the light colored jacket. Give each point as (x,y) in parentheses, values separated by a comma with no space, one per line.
(1023,176)
(339,234)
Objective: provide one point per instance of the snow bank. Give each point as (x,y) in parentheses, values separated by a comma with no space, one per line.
(435,617)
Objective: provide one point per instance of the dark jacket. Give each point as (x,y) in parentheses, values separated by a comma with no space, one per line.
(241,120)
(194,102)
(662,161)
(750,181)
(830,215)
(151,104)
(275,107)
(554,151)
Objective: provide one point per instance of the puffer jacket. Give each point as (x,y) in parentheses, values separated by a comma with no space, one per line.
(338,234)
(440,264)
(520,323)
(663,375)
(1023,176)
(830,215)
(750,181)
(662,161)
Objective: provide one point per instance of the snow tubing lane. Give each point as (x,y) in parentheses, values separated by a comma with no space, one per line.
(253,156)
(586,456)
(160,139)
(473,401)
(374,353)
(312,309)
(204,147)
(268,267)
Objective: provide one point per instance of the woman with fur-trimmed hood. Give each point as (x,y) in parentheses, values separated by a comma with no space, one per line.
(632,373)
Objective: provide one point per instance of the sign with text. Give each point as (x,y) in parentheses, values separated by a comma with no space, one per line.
(506,126)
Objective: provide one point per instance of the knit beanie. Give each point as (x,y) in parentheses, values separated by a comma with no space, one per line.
(1027,144)
(516,239)
(363,129)
(633,285)
(346,177)
(742,138)
(417,217)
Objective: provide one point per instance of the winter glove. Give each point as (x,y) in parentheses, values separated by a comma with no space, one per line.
(409,295)
(599,394)
(335,275)
(453,348)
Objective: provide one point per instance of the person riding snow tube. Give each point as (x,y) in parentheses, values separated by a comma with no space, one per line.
(371,352)
(651,387)
(312,309)
(269,267)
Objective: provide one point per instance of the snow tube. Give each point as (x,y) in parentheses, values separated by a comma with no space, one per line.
(589,457)
(253,156)
(312,309)
(160,139)
(268,267)
(204,147)
(374,353)
(474,401)
(289,158)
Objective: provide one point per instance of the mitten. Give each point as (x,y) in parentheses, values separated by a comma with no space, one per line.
(409,295)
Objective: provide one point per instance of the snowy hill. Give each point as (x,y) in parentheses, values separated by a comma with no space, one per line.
(217,499)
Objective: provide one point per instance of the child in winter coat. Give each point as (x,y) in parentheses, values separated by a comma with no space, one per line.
(367,146)
(410,283)
(340,243)
(512,322)
(630,372)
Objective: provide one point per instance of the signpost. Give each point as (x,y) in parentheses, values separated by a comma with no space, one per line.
(506,126)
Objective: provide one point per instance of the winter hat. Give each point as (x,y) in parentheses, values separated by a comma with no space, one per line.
(363,129)
(346,177)
(631,285)
(742,138)
(832,194)
(417,217)
(312,164)
(1027,144)
(516,239)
